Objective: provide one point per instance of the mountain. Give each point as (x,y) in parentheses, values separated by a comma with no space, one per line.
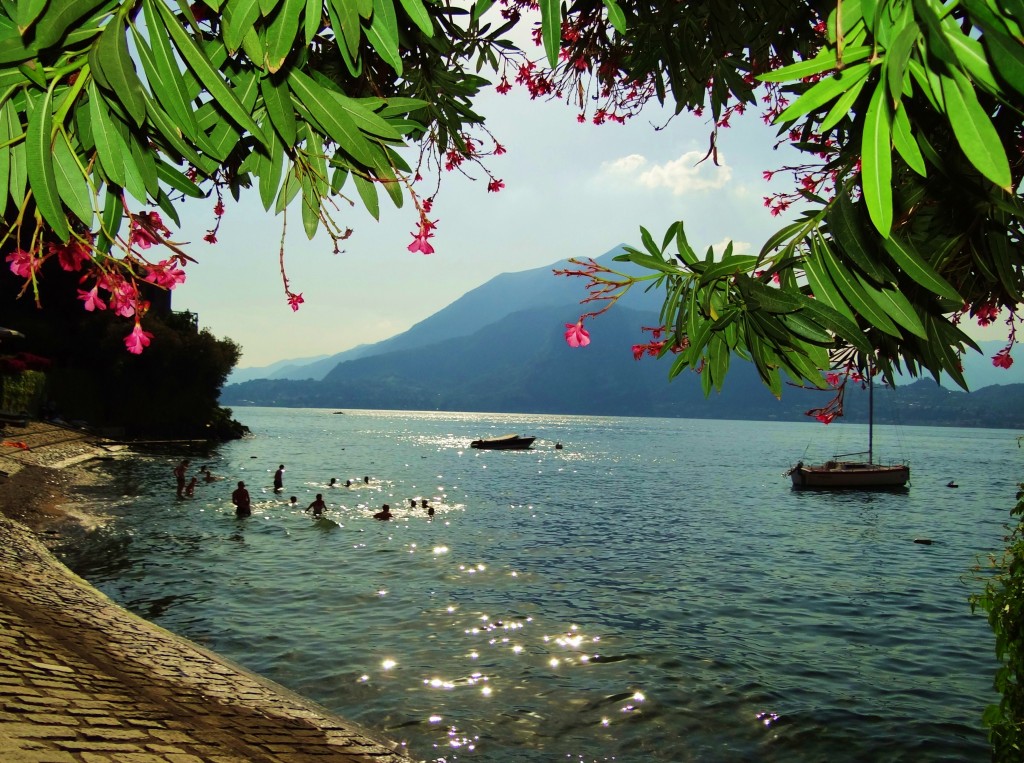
(501,348)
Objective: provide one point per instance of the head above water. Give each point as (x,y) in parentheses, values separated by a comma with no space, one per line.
(241,484)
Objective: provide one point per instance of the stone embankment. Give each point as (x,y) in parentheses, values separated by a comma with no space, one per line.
(84,681)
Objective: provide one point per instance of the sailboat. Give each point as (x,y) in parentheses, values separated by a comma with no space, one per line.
(838,474)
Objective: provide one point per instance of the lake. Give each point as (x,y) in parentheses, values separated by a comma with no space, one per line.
(653,590)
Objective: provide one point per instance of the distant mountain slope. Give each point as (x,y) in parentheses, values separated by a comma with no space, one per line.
(521,364)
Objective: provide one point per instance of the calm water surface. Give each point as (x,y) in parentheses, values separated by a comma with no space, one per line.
(653,591)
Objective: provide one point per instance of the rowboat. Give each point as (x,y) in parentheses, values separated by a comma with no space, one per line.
(504,442)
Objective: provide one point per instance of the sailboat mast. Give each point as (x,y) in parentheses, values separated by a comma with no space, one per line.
(871,417)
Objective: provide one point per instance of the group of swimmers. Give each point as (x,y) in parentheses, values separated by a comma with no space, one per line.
(243,502)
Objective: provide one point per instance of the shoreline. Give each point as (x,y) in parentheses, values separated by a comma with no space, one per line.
(82,679)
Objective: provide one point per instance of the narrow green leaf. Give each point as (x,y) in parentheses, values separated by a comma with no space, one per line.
(110,220)
(28,11)
(419,16)
(289,188)
(844,103)
(19,170)
(834,321)
(897,58)
(551,29)
(971,55)
(728,267)
(914,265)
(876,160)
(368,193)
(846,224)
(335,123)
(270,178)
(267,7)
(616,16)
(824,91)
(345,22)
(278,102)
(825,61)
(59,16)
(145,163)
(238,18)
(5,152)
(822,286)
(114,69)
(39,155)
(718,361)
(207,74)
(904,142)
(862,304)
(974,130)
(896,306)
(109,146)
(314,15)
(1008,58)
(281,33)
(383,34)
(178,181)
(72,184)
(310,207)
(173,94)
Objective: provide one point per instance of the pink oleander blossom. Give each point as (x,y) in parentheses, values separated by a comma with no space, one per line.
(165,274)
(295,301)
(23,264)
(71,256)
(91,299)
(1002,358)
(138,340)
(576,335)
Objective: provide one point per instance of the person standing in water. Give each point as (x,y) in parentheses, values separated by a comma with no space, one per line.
(179,475)
(279,479)
(318,506)
(240,498)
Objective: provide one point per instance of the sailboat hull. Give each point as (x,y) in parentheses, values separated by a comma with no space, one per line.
(850,475)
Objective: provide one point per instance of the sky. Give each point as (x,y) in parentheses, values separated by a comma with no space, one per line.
(571,190)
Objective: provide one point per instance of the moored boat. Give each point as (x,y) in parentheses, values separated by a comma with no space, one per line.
(504,442)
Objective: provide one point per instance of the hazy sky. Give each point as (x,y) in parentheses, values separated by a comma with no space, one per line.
(571,189)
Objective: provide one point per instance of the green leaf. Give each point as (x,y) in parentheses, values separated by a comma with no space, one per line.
(851,290)
(834,321)
(844,103)
(6,112)
(59,16)
(178,181)
(896,306)
(39,156)
(718,361)
(616,16)
(904,142)
(337,124)
(551,29)
(145,163)
(419,16)
(267,7)
(110,221)
(728,267)
(19,170)
(971,55)
(238,18)
(72,184)
(113,68)
(824,91)
(281,33)
(383,34)
(345,22)
(271,173)
(207,74)
(310,206)
(109,145)
(28,11)
(915,266)
(173,93)
(278,102)
(822,287)
(825,61)
(876,160)
(368,193)
(846,225)
(974,130)
(1007,57)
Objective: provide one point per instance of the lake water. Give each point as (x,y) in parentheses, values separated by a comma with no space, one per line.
(652,591)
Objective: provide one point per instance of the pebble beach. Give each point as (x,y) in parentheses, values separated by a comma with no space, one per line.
(83,680)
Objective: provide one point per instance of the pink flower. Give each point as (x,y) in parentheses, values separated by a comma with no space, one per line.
(495,185)
(1002,358)
(92,299)
(638,351)
(123,293)
(832,378)
(294,300)
(420,244)
(147,227)
(23,264)
(165,274)
(71,255)
(138,340)
(576,335)
(825,418)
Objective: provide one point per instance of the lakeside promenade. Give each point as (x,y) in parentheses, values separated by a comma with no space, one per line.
(83,680)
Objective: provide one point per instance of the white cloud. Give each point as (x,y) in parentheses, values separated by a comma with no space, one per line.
(738,247)
(687,174)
